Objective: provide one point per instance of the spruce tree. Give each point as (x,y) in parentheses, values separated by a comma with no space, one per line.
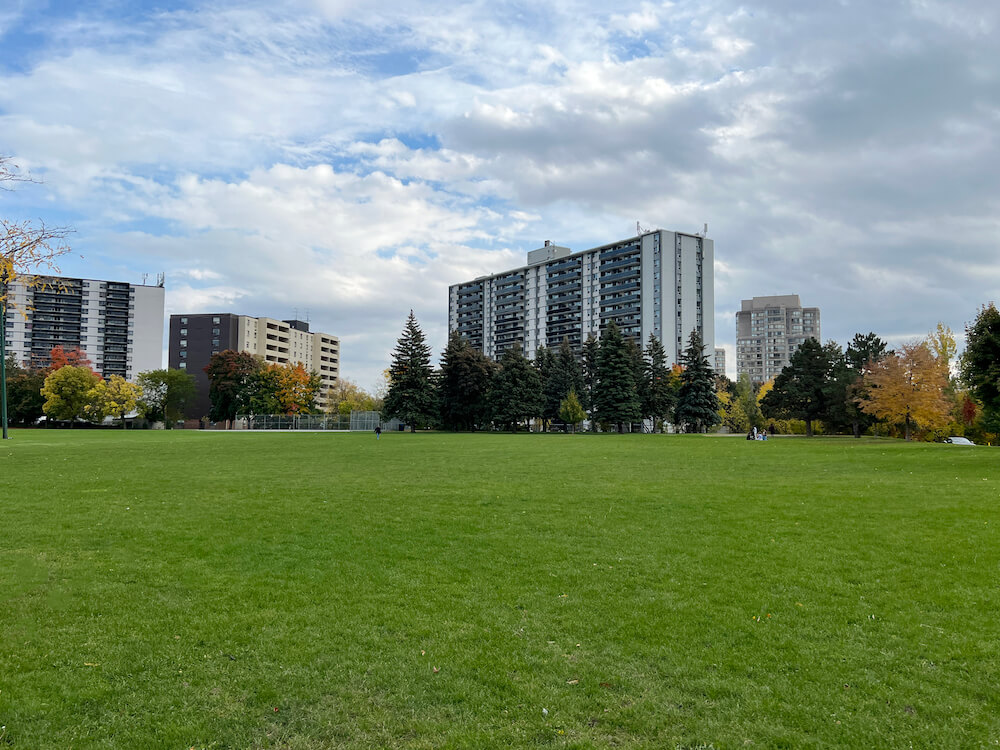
(515,391)
(591,351)
(616,399)
(697,405)
(564,376)
(980,365)
(544,362)
(464,385)
(658,393)
(411,397)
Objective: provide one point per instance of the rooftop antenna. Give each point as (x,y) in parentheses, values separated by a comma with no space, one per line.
(295,313)
(144,277)
(307,315)
(161,279)
(639,230)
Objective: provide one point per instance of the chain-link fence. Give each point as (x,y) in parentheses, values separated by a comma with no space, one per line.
(359,421)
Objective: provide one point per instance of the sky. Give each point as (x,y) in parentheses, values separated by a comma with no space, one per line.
(347,161)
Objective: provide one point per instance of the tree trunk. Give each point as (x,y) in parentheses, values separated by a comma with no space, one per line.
(809,428)
(857,428)
(907,429)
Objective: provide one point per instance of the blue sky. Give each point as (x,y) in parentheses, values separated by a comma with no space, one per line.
(354,159)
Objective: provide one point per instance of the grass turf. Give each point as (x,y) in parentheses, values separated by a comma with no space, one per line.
(208,590)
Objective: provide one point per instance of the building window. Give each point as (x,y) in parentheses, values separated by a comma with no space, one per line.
(183,354)
(184,332)
(215,321)
(184,342)
(184,321)
(182,366)
(215,331)
(215,342)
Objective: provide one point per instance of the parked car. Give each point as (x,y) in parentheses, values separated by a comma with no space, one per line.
(958,441)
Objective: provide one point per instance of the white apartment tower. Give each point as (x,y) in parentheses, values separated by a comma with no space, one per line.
(768,331)
(658,283)
(118,326)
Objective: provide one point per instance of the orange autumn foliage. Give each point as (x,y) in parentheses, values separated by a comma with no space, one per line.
(908,388)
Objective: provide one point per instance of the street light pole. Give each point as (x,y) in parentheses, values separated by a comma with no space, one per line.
(3,354)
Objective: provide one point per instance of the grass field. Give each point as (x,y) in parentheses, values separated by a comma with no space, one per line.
(206,590)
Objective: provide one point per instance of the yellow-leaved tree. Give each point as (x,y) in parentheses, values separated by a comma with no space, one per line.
(908,388)
(115,396)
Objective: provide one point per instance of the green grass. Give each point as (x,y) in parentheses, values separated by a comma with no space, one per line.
(192,589)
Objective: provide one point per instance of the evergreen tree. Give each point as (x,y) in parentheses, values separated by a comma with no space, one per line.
(515,391)
(980,365)
(564,376)
(464,385)
(411,397)
(863,351)
(658,392)
(801,388)
(697,405)
(616,399)
(544,362)
(591,352)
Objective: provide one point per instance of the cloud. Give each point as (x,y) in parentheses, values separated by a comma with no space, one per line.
(357,159)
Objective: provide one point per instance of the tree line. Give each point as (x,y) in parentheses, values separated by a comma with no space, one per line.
(68,389)
(613,382)
(907,392)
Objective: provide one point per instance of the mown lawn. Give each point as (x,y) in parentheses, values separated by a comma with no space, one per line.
(206,590)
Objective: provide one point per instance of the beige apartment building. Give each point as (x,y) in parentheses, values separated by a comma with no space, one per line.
(768,331)
(195,338)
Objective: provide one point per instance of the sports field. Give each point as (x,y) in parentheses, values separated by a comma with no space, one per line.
(207,590)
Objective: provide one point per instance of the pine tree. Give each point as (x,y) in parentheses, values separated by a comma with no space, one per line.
(411,397)
(515,391)
(697,405)
(801,388)
(616,399)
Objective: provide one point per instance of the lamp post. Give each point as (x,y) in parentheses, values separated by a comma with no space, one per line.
(4,277)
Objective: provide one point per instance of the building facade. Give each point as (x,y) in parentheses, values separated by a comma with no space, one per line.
(768,331)
(193,339)
(118,326)
(720,361)
(658,283)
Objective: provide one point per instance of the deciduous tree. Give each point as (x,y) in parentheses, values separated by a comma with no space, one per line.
(907,388)
(230,375)
(571,412)
(68,392)
(347,396)
(24,392)
(165,393)
(115,397)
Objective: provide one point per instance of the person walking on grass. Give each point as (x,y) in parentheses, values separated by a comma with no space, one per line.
(378,432)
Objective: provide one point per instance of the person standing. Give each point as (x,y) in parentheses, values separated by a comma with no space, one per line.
(378,432)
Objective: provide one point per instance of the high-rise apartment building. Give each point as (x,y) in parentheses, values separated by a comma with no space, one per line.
(658,283)
(118,326)
(193,339)
(720,361)
(768,331)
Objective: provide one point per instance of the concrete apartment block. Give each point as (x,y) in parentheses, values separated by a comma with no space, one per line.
(768,331)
